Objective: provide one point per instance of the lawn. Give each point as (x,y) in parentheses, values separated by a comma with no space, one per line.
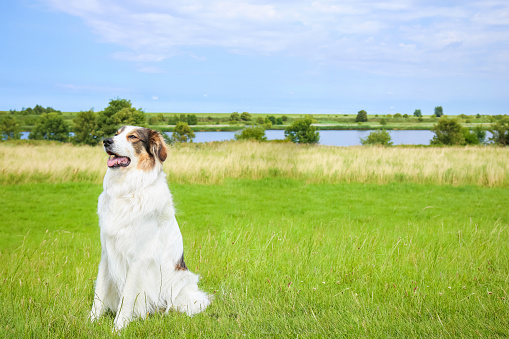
(282,257)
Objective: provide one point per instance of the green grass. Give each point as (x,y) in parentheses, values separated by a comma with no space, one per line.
(282,258)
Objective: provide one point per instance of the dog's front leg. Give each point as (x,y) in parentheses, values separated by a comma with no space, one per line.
(104,292)
(133,301)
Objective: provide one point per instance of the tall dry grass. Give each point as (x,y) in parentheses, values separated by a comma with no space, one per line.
(214,162)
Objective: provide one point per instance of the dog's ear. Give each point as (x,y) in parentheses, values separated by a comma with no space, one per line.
(157,146)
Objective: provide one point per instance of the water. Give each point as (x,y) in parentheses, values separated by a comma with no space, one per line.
(331,138)
(327,138)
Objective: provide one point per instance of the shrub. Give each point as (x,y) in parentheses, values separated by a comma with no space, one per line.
(9,128)
(245,116)
(183,133)
(302,132)
(235,116)
(381,137)
(362,116)
(251,133)
(50,126)
(397,116)
(85,128)
(500,131)
(383,122)
(448,132)
(192,119)
(475,137)
(119,112)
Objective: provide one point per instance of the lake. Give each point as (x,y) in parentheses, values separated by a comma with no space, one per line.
(327,138)
(332,137)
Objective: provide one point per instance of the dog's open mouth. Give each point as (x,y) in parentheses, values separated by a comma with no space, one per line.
(115,161)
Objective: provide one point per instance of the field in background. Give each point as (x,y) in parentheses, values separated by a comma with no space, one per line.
(282,258)
(28,162)
(220,121)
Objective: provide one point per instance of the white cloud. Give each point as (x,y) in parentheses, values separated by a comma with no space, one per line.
(400,37)
(155,97)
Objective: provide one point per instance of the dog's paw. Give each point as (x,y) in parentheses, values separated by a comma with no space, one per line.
(93,316)
(119,323)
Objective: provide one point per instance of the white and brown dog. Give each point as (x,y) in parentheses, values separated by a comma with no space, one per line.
(142,267)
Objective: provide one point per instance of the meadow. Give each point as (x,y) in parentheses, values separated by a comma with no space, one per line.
(291,241)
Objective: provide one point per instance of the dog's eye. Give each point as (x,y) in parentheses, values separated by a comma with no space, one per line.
(132,137)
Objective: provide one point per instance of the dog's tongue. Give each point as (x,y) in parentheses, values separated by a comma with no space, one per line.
(117,161)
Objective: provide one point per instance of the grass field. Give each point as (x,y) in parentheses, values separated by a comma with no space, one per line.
(212,163)
(283,254)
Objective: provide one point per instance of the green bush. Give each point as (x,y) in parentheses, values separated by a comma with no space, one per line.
(183,133)
(362,116)
(245,116)
(448,132)
(235,116)
(119,112)
(9,128)
(500,131)
(251,133)
(50,126)
(85,128)
(302,132)
(381,137)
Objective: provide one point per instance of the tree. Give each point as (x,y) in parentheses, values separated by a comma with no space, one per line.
(182,132)
(448,132)
(417,113)
(500,131)
(284,118)
(439,111)
(255,132)
(475,137)
(245,116)
(192,119)
(362,116)
(85,128)
(272,119)
(235,116)
(381,137)
(119,112)
(9,128)
(38,109)
(50,126)
(302,132)
(397,116)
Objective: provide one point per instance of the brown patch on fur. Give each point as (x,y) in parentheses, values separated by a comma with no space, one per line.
(181,265)
(157,145)
(148,145)
(146,162)
(120,130)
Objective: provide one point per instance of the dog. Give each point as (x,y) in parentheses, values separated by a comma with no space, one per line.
(142,268)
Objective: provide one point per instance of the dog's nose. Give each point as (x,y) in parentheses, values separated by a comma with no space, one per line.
(107,142)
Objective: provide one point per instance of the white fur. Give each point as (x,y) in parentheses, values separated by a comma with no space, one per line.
(141,245)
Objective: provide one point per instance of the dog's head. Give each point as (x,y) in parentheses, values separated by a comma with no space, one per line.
(135,147)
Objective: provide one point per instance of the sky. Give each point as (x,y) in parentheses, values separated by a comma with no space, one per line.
(315,57)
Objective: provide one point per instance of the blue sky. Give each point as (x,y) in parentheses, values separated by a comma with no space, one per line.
(323,56)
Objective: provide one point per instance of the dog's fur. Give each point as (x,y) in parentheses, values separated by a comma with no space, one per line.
(142,268)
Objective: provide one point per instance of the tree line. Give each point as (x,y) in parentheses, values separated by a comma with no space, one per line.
(91,127)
